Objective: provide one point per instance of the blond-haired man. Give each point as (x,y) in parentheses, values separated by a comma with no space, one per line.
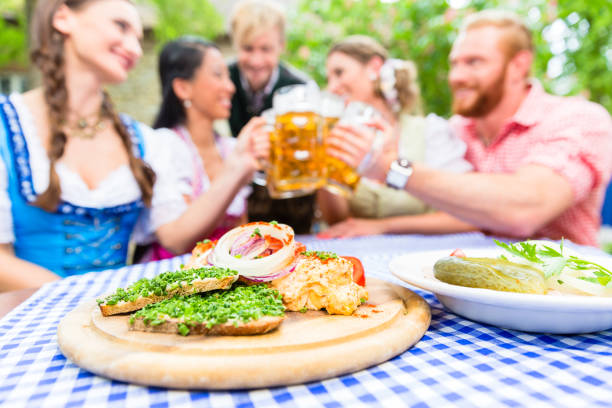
(258,35)
(542,162)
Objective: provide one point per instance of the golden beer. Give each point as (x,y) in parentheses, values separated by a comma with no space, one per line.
(297,156)
(341,178)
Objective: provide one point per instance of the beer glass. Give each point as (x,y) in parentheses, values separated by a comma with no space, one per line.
(297,155)
(260,176)
(341,178)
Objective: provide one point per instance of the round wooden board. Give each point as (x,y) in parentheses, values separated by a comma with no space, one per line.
(306,347)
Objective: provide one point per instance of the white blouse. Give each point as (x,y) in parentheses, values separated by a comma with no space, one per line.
(190,157)
(119,187)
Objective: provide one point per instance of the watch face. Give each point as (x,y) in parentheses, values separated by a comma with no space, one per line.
(404,163)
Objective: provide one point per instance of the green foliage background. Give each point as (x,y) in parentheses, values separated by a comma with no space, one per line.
(12,36)
(174,18)
(580,57)
(424,31)
(180,17)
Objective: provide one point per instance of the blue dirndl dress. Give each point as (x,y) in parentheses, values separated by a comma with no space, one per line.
(73,239)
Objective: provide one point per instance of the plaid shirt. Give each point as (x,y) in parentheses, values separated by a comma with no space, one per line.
(569,135)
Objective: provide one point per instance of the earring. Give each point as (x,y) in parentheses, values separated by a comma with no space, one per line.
(187,103)
(373,76)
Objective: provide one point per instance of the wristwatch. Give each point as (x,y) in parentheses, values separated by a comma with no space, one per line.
(399,173)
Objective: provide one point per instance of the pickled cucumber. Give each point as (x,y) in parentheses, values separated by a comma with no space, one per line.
(490,273)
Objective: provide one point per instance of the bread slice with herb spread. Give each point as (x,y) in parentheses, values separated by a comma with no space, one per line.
(242,310)
(164,286)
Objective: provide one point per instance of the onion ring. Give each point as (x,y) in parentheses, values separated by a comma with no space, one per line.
(265,268)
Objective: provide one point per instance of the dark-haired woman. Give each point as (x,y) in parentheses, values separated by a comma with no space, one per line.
(196,91)
(76,179)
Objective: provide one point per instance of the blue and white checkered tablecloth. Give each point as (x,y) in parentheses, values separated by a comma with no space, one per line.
(458,362)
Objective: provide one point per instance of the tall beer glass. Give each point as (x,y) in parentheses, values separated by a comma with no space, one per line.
(341,178)
(297,156)
(260,176)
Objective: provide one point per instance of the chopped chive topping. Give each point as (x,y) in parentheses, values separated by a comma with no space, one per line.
(303,310)
(183,329)
(256,232)
(559,281)
(238,256)
(322,255)
(164,283)
(362,300)
(241,304)
(206,241)
(273,223)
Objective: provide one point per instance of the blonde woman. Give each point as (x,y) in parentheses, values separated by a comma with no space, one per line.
(359,69)
(77,180)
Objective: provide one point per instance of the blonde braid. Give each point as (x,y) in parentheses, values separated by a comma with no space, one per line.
(143,173)
(51,63)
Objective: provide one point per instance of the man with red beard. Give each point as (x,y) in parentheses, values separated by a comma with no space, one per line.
(542,162)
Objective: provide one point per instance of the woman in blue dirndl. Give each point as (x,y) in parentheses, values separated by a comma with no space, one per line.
(78,180)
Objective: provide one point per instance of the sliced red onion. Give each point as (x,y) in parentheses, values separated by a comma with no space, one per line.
(209,258)
(256,249)
(280,274)
(265,267)
(240,242)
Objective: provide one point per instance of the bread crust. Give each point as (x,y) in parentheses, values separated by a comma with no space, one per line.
(199,286)
(259,326)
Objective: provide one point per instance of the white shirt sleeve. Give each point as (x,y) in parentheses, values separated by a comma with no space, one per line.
(6,218)
(168,156)
(444,150)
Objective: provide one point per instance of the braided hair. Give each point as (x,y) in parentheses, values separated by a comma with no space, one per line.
(47,53)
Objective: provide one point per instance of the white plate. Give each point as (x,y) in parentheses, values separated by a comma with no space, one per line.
(557,314)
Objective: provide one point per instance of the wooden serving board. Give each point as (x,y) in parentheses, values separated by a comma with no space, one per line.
(306,347)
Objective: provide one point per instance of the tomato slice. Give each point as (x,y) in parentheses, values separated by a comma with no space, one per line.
(458,253)
(358,274)
(203,246)
(273,243)
(299,248)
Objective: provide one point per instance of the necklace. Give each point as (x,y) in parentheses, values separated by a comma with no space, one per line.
(86,128)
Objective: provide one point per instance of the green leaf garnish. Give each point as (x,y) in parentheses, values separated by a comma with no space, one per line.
(553,262)
(521,249)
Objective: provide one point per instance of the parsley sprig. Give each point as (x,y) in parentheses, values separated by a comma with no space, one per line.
(553,262)
(322,255)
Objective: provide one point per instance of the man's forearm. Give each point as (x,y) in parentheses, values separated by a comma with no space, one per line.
(519,203)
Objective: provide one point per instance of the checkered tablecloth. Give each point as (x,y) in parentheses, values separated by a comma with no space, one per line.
(458,362)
